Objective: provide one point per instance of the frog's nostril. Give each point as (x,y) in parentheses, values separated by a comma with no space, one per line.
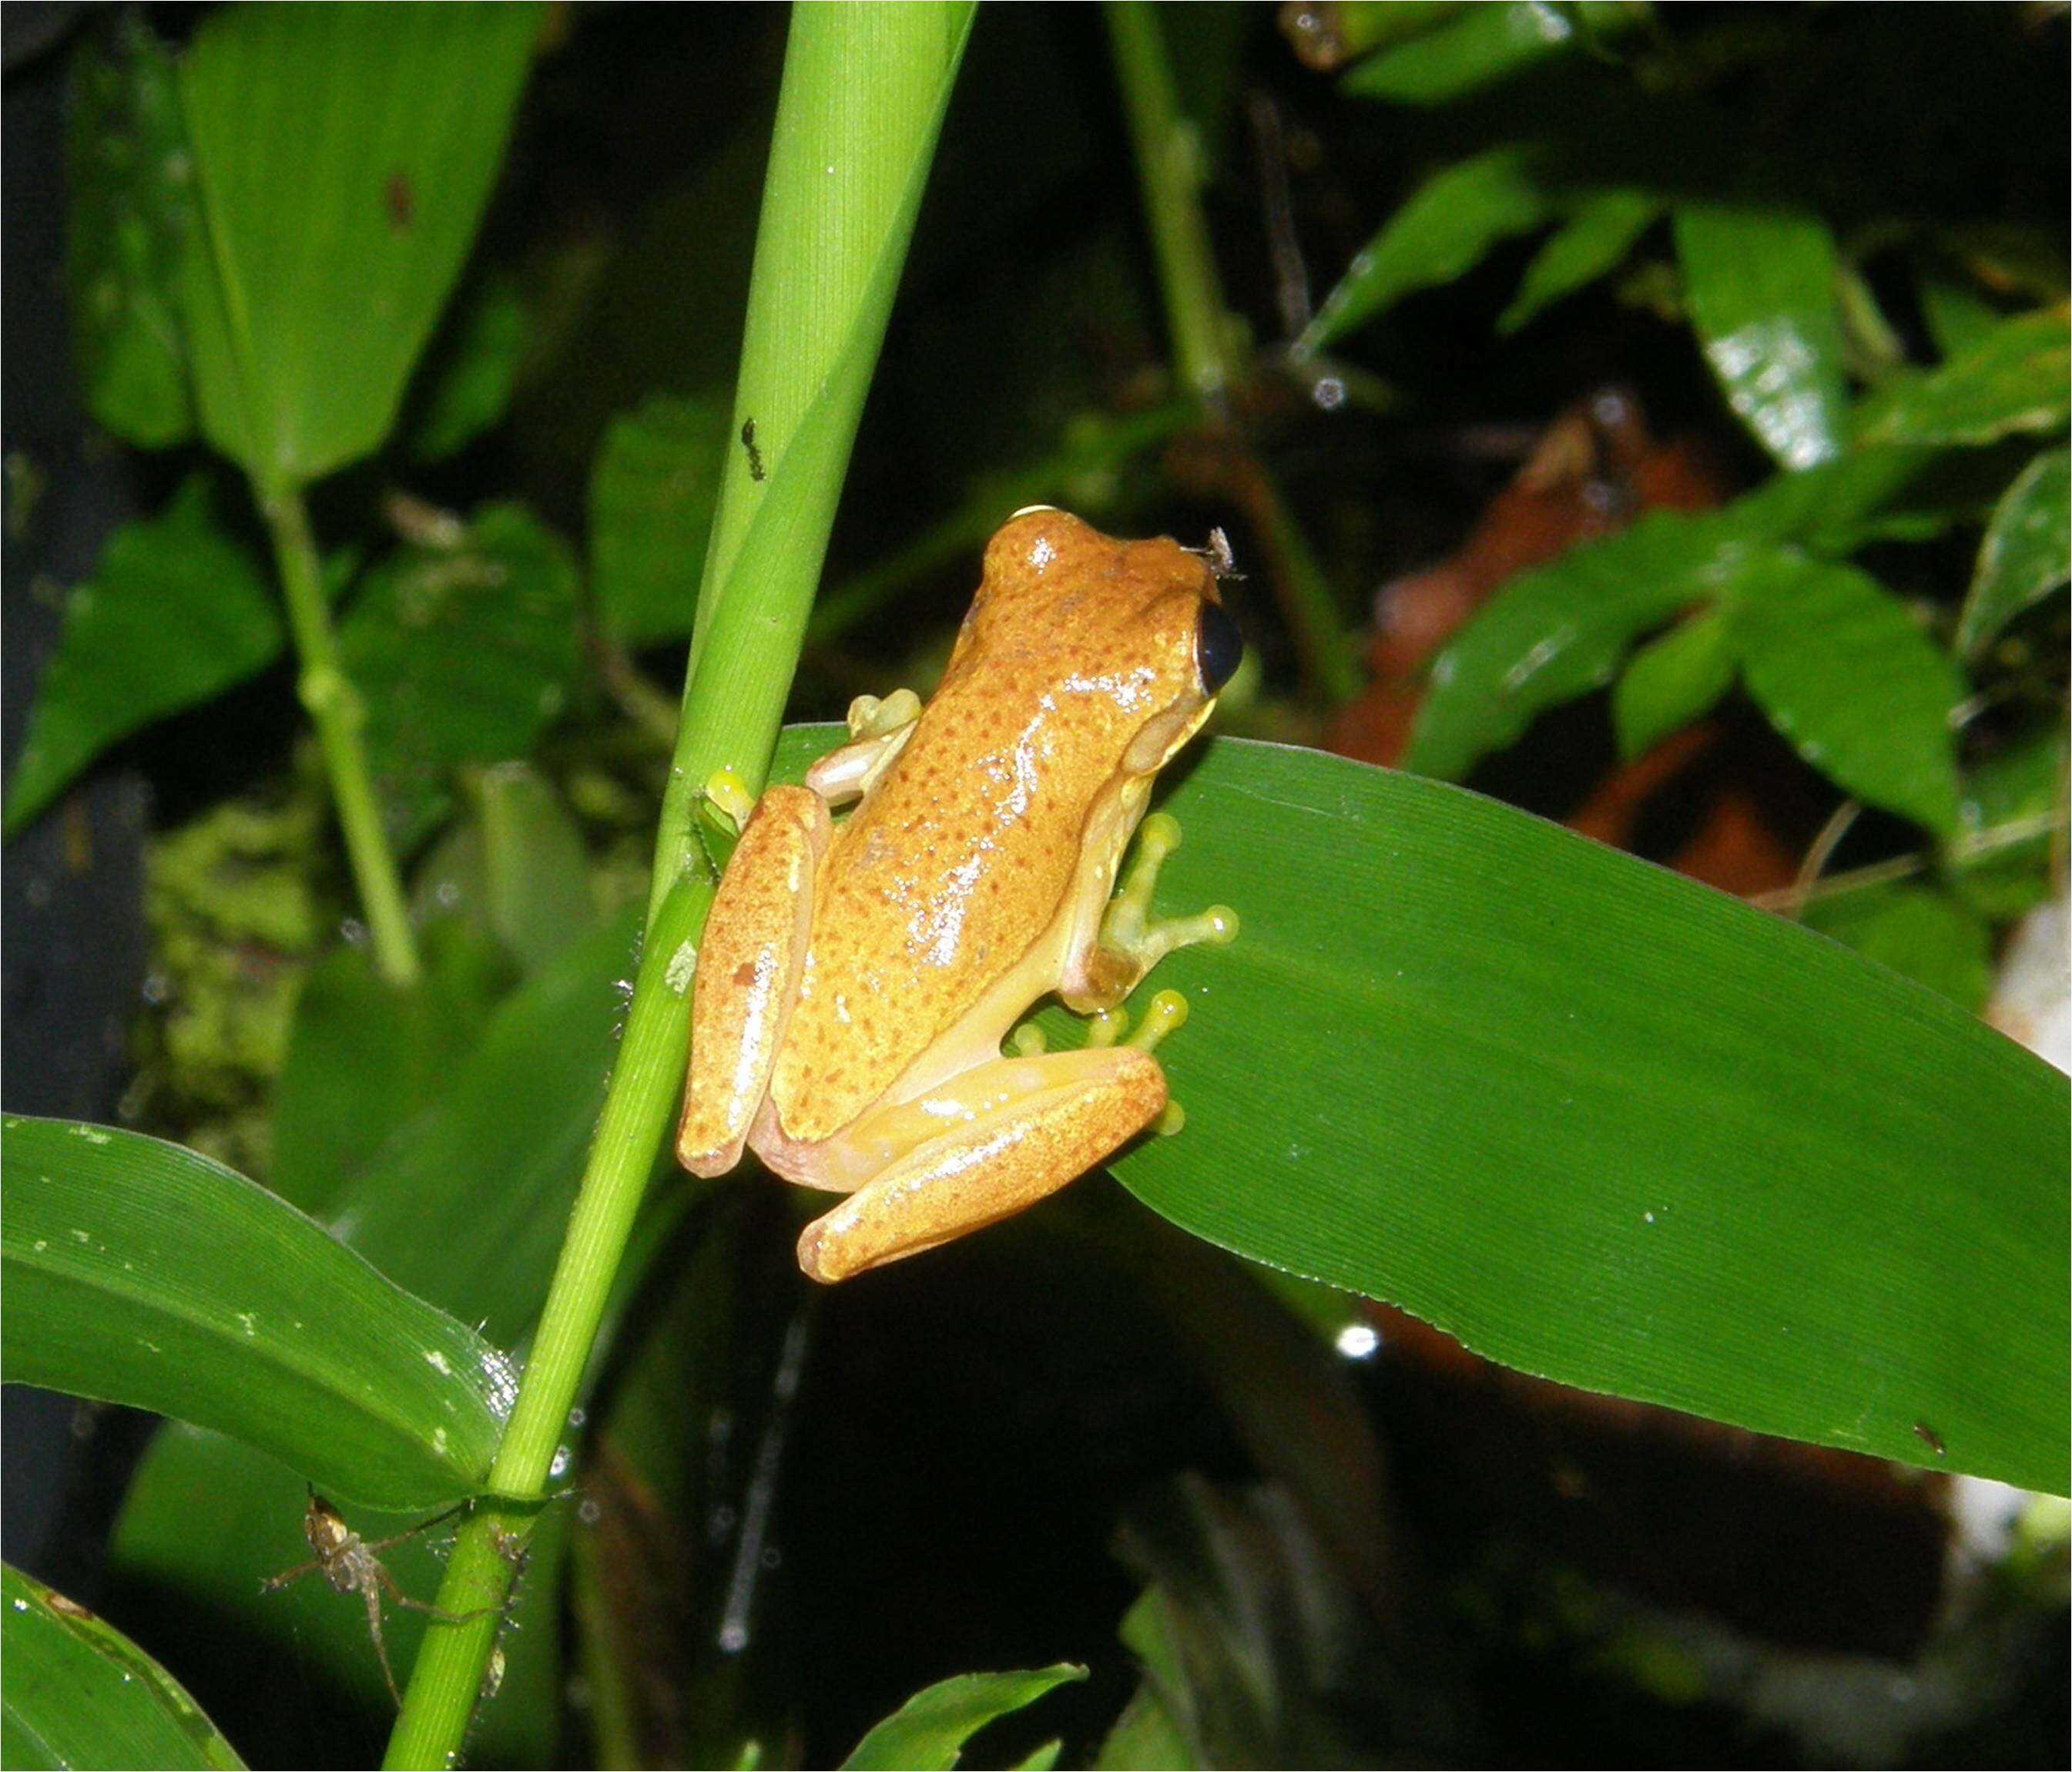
(1219,646)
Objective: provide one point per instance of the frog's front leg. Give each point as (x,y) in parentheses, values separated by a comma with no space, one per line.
(1131,941)
(747,974)
(978,1149)
(878,732)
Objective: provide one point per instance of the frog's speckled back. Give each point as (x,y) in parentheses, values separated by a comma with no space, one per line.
(963,853)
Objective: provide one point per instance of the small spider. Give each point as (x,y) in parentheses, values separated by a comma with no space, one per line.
(350,1564)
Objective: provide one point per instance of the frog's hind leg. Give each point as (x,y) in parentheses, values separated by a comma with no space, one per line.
(748,974)
(1019,1129)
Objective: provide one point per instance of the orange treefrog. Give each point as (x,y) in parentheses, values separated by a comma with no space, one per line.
(857,980)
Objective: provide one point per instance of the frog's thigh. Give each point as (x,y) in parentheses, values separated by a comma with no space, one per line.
(1024,1127)
(748,974)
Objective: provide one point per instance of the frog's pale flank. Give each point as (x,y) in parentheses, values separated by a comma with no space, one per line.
(857,980)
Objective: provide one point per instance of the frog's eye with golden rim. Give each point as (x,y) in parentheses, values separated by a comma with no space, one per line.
(1219,646)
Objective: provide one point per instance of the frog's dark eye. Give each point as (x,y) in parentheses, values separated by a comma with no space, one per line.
(1218,646)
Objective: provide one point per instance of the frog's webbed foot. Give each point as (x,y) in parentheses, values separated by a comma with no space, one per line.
(1131,941)
(878,732)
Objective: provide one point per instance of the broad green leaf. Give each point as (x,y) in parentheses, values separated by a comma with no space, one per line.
(1761,286)
(1561,630)
(176,612)
(651,511)
(342,155)
(1841,669)
(80,1693)
(2027,553)
(130,183)
(928,1732)
(1605,1126)
(1599,232)
(1922,934)
(1670,681)
(139,1272)
(364,1056)
(464,654)
(515,868)
(1486,44)
(1601,1123)
(1441,233)
(2013,380)
(469,370)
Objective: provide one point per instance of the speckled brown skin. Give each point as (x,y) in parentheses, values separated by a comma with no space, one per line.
(969,881)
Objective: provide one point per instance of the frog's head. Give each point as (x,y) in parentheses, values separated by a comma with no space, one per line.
(1130,637)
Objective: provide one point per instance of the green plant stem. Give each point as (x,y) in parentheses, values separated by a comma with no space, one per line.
(337,712)
(645,1082)
(1168,156)
(862,100)
(1169,167)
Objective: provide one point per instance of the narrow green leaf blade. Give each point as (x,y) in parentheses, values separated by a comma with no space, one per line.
(138,1272)
(176,612)
(1761,284)
(1441,233)
(2027,553)
(80,1693)
(1605,1126)
(1840,668)
(1557,632)
(2017,379)
(1561,630)
(1486,44)
(343,156)
(651,509)
(1670,681)
(928,1732)
(132,206)
(1597,237)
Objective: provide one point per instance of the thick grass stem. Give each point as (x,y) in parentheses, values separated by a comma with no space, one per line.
(864,92)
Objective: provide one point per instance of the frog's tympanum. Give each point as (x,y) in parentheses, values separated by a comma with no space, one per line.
(857,980)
